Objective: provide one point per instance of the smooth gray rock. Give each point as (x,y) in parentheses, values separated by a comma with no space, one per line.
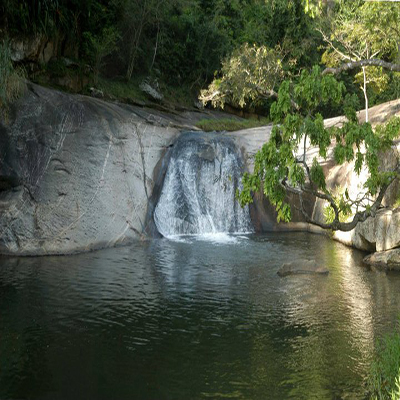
(301,267)
(76,173)
(151,91)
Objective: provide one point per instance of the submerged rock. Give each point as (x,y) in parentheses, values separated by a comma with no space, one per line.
(300,267)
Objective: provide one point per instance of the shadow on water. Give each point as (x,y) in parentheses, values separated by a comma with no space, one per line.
(196,318)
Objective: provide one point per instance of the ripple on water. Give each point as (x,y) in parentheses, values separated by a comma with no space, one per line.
(193,318)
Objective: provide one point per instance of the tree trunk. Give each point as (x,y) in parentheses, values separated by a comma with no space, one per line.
(156,46)
(365,94)
(135,46)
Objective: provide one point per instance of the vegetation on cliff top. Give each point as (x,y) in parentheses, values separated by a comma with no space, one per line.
(230,124)
(243,49)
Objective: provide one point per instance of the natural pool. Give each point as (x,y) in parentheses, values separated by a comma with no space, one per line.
(204,318)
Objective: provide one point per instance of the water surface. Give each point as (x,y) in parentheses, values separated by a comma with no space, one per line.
(196,318)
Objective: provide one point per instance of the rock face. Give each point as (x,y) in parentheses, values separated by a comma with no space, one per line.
(375,234)
(301,267)
(76,173)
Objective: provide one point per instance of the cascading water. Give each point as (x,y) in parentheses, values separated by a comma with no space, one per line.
(198,195)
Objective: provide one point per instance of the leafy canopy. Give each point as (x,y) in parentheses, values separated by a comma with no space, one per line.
(360,30)
(283,166)
(249,75)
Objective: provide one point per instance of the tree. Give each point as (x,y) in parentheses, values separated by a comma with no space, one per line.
(282,166)
(136,15)
(251,74)
(100,46)
(357,37)
(276,40)
(349,41)
(382,20)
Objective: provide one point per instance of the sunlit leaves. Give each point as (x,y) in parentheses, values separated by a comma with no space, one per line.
(314,90)
(341,202)
(250,74)
(364,30)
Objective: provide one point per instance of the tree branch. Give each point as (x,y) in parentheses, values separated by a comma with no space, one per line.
(326,39)
(336,224)
(362,63)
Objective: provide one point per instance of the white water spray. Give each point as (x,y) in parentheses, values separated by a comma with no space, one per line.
(198,195)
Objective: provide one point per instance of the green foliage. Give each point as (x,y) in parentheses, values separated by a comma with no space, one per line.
(340,198)
(390,91)
(85,26)
(382,22)
(252,44)
(276,39)
(362,30)
(277,161)
(249,75)
(122,90)
(281,164)
(99,46)
(384,377)
(12,82)
(313,8)
(210,125)
(32,16)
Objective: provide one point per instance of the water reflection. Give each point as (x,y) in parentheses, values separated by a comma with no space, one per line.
(192,319)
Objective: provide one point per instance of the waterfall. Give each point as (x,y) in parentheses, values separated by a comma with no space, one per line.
(198,195)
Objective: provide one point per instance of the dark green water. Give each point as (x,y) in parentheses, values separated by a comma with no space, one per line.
(192,320)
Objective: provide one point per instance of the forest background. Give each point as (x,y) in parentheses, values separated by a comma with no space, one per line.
(240,49)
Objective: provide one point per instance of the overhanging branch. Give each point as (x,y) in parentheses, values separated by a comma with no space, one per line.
(336,224)
(376,62)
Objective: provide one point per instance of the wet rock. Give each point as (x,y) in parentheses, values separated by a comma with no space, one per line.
(198,193)
(389,259)
(301,267)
